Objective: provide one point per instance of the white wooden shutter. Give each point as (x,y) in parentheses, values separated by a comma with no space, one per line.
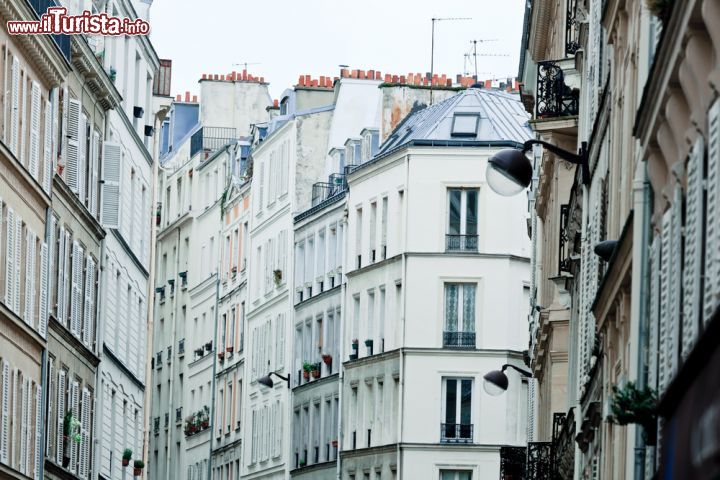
(72,159)
(82,158)
(18,257)
(23,116)
(74,404)
(48,153)
(51,380)
(38,432)
(692,265)
(76,289)
(29,314)
(654,314)
(15,106)
(64,124)
(675,282)
(60,283)
(89,313)
(280,344)
(85,434)
(44,290)
(110,216)
(22,427)
(15,434)
(10,261)
(5,434)
(94,178)
(35,105)
(711,292)
(59,451)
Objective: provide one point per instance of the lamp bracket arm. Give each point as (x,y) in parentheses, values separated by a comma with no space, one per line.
(574,158)
(522,372)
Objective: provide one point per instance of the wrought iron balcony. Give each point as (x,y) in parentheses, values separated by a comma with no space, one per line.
(335,185)
(178,415)
(211,139)
(456,433)
(156,425)
(572,30)
(512,463)
(539,461)
(461,243)
(554,98)
(459,340)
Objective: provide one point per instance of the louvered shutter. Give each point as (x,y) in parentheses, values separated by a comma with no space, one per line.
(64,125)
(48,152)
(34,157)
(10,261)
(711,292)
(138,219)
(94,179)
(29,314)
(76,289)
(50,411)
(22,427)
(72,158)
(254,353)
(18,257)
(654,314)
(15,106)
(75,403)
(85,434)
(691,271)
(675,283)
(38,432)
(44,290)
(82,157)
(280,345)
(110,197)
(23,110)
(665,302)
(14,414)
(61,277)
(60,449)
(5,438)
(89,313)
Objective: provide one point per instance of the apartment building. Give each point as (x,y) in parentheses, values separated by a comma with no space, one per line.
(33,69)
(437,276)
(202,165)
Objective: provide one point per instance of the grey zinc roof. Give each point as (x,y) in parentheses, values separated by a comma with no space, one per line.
(502,118)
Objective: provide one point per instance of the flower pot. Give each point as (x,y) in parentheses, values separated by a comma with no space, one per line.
(368,343)
(65,461)
(125,462)
(316,373)
(230,349)
(137,472)
(306,375)
(334,443)
(327,359)
(353,356)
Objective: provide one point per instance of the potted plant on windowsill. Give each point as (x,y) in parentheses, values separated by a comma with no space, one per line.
(138,467)
(277,277)
(307,368)
(301,463)
(368,343)
(127,454)
(334,443)
(355,344)
(230,349)
(221,356)
(629,405)
(327,359)
(315,370)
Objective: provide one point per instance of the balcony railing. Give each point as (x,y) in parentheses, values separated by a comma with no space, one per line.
(539,461)
(572,31)
(456,433)
(156,425)
(512,463)
(211,139)
(461,243)
(181,346)
(335,185)
(459,340)
(554,98)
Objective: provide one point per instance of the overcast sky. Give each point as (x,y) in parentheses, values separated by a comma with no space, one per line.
(287,38)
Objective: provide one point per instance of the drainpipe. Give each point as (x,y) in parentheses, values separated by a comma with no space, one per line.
(44,381)
(403,248)
(171,389)
(214,369)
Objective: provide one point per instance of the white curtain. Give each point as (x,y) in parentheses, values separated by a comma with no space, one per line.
(451,307)
(468,308)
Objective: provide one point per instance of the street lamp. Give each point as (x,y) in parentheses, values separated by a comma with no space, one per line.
(268,381)
(496,382)
(509,171)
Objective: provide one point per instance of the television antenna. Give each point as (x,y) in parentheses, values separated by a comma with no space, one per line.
(432,47)
(245,64)
(473,53)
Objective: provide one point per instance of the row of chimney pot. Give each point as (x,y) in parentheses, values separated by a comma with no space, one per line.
(233,77)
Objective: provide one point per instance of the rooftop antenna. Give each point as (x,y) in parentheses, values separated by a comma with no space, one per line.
(432,47)
(475,54)
(245,64)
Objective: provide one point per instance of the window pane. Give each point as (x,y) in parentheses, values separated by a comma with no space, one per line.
(465,401)
(451,307)
(454,221)
(471,212)
(468,308)
(451,401)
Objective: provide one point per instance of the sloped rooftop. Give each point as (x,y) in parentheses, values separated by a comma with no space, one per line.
(473,115)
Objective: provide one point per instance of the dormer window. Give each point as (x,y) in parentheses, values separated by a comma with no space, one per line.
(465,124)
(284,105)
(370,144)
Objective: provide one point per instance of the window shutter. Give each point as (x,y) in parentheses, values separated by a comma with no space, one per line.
(665,302)
(14,414)
(110,197)
(84,432)
(38,431)
(675,283)
(5,438)
(10,256)
(253,375)
(60,449)
(89,313)
(48,152)
(22,427)
(35,104)
(137,213)
(654,313)
(60,284)
(711,291)
(44,291)
(30,279)
(75,281)
(82,157)
(15,106)
(75,403)
(18,256)
(94,179)
(72,158)
(691,271)
(51,380)
(280,344)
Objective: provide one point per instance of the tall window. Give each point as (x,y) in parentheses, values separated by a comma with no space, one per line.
(459,330)
(457,414)
(462,220)
(455,475)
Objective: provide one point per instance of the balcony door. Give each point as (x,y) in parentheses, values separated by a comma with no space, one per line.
(455,475)
(457,410)
(459,328)
(462,228)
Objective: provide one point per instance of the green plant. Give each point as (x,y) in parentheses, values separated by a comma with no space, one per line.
(127,454)
(630,404)
(67,423)
(308,367)
(139,464)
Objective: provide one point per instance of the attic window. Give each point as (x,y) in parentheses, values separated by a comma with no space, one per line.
(465,124)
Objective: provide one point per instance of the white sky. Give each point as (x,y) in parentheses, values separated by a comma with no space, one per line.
(290,37)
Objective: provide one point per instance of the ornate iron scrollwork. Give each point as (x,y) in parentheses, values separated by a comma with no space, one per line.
(572,45)
(554,98)
(512,463)
(563,257)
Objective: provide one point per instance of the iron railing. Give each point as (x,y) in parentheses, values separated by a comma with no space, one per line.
(512,463)
(211,139)
(572,31)
(459,340)
(62,41)
(456,432)
(181,346)
(461,243)
(539,461)
(563,254)
(321,191)
(554,98)
(564,445)
(156,425)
